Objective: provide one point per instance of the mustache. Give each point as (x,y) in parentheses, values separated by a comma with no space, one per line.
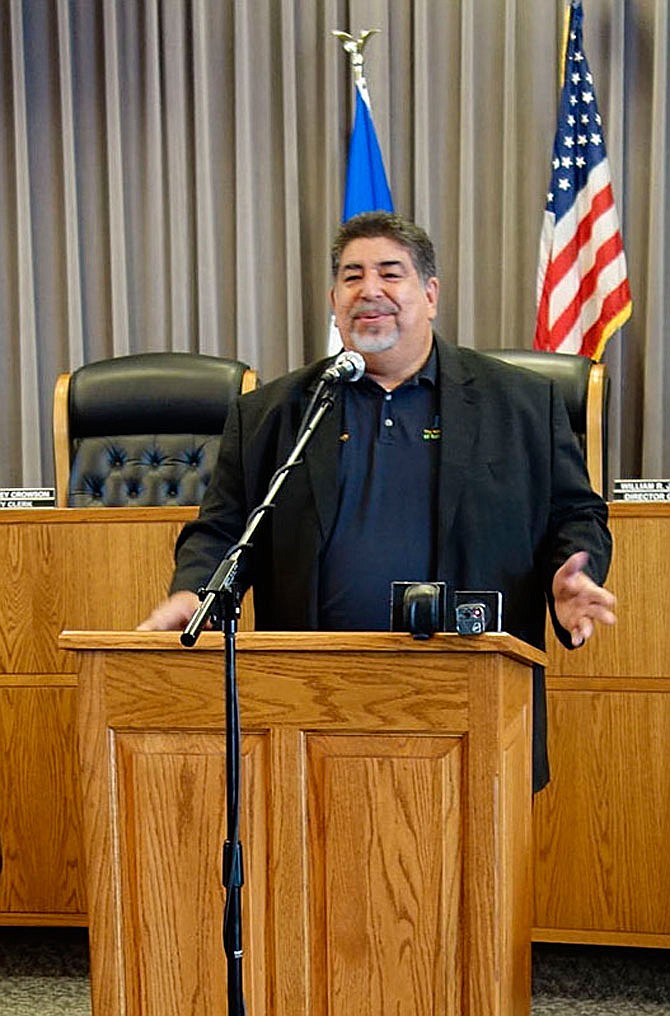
(367,307)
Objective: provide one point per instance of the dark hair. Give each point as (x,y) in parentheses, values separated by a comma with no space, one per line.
(371,224)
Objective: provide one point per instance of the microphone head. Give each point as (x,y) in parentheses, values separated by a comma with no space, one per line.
(347,366)
(352,363)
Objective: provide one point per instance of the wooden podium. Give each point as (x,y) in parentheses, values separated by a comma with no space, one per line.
(386,823)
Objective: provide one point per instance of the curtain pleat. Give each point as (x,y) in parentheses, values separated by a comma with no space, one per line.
(116,184)
(470,279)
(75,336)
(28,436)
(179,281)
(172,171)
(656,374)
(151,271)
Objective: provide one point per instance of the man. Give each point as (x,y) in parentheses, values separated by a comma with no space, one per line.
(439,464)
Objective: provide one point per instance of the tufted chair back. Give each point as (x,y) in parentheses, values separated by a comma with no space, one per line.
(585,388)
(142,430)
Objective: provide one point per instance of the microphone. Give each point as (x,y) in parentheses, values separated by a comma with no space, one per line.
(348,366)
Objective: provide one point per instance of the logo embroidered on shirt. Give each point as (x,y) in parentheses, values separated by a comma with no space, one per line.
(431,433)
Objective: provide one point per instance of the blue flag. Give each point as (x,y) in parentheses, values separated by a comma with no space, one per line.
(367,188)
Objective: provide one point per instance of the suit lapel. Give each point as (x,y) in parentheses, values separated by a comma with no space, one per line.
(322,460)
(459,413)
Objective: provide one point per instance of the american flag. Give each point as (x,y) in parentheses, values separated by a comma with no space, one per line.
(582,280)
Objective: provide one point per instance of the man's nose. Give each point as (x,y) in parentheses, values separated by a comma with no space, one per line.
(370,286)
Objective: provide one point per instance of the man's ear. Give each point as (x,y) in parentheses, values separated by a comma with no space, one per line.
(432,296)
(331,297)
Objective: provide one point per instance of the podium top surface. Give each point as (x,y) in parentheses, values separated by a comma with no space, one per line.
(324,642)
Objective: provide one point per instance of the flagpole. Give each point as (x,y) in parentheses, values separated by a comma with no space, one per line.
(366,186)
(567,17)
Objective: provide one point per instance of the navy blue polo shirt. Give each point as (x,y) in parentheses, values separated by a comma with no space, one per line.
(386,520)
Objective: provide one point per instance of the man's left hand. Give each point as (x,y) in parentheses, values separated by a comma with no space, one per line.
(579,602)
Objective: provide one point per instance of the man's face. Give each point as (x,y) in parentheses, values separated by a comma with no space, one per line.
(379,301)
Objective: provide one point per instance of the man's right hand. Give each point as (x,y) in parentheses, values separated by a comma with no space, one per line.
(172,614)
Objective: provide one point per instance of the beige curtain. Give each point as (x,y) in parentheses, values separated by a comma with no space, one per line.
(171,172)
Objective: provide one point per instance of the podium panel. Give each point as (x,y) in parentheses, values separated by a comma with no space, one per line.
(385,823)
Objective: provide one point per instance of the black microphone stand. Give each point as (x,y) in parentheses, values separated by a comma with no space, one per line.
(222,593)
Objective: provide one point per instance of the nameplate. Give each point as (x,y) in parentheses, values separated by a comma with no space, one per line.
(641,490)
(27,497)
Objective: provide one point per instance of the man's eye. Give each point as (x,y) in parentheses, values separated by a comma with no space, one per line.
(352,277)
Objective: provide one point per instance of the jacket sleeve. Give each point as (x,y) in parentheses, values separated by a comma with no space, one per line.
(577,517)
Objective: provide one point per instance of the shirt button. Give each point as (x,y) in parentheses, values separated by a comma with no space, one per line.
(388,423)
(388,397)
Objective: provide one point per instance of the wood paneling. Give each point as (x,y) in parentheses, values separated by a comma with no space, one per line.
(370,885)
(171,794)
(60,568)
(385,825)
(639,644)
(601,863)
(39,780)
(602,826)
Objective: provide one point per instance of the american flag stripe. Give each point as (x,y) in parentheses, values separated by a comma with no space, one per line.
(586,238)
(583,280)
(576,234)
(578,325)
(583,291)
(616,308)
(586,332)
(597,187)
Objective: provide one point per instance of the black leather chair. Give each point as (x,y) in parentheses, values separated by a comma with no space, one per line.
(585,387)
(142,430)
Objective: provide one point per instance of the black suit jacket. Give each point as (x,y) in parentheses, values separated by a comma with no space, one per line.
(514,499)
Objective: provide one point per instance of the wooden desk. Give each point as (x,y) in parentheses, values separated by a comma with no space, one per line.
(602,827)
(88,568)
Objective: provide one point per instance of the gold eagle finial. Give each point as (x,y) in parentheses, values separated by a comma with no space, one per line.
(354,47)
